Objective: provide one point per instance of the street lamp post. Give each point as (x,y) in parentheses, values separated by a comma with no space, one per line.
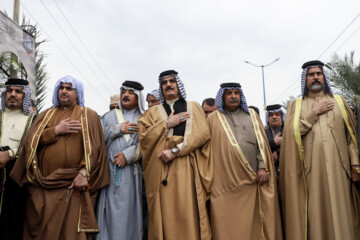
(263,79)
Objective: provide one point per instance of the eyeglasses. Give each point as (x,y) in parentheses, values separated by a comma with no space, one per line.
(163,82)
(113,107)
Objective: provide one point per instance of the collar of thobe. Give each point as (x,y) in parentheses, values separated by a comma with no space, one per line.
(171,103)
(237,111)
(66,109)
(314,95)
(130,111)
(13,112)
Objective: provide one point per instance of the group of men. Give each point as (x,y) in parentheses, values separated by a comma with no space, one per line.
(179,170)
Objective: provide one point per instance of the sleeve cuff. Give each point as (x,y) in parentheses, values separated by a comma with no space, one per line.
(311,117)
(48,136)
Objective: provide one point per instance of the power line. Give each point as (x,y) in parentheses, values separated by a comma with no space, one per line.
(84,45)
(63,53)
(342,32)
(339,36)
(72,44)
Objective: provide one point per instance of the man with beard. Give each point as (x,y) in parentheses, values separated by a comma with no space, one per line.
(244,199)
(208,105)
(119,209)
(15,119)
(174,141)
(153,98)
(275,119)
(319,163)
(63,164)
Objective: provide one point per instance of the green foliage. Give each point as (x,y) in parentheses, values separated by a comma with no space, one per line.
(345,77)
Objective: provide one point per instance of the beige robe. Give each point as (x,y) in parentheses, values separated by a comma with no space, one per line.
(331,208)
(239,207)
(177,210)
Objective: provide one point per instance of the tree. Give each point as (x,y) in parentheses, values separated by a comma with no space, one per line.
(344,76)
(41,75)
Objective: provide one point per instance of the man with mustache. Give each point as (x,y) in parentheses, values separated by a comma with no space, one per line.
(319,163)
(174,141)
(244,200)
(275,119)
(63,164)
(119,208)
(15,120)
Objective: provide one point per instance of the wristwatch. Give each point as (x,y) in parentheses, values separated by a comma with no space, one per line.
(356,169)
(11,153)
(175,150)
(82,173)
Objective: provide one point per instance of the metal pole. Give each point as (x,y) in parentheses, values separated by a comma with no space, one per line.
(263,79)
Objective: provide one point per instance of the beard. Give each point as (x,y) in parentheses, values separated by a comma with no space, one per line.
(316,88)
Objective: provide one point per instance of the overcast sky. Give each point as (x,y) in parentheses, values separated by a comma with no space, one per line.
(206,41)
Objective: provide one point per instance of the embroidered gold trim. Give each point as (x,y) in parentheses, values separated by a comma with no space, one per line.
(297,135)
(345,116)
(233,140)
(86,140)
(121,119)
(259,137)
(35,142)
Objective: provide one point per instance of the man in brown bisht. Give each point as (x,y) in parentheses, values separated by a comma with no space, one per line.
(63,164)
(244,200)
(319,163)
(174,141)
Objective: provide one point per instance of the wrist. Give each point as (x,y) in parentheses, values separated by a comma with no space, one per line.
(11,154)
(355,169)
(82,172)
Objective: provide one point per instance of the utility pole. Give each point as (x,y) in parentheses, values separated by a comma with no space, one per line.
(16,13)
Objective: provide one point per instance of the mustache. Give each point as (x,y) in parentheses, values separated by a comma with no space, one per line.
(169,88)
(233,100)
(274,120)
(315,81)
(126,99)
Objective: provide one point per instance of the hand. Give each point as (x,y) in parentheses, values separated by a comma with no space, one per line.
(166,156)
(125,126)
(278,139)
(4,158)
(275,156)
(175,119)
(322,107)
(67,126)
(262,176)
(80,182)
(355,177)
(120,160)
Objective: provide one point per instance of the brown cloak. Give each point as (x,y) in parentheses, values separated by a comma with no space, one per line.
(296,170)
(52,211)
(177,210)
(239,207)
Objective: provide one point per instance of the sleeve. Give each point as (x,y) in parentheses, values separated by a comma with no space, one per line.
(47,136)
(112,132)
(307,122)
(132,154)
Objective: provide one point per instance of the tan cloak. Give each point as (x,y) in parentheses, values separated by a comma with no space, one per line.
(318,197)
(177,210)
(52,212)
(239,207)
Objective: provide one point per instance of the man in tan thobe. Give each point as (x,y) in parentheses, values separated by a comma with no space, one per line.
(319,163)
(244,200)
(63,163)
(174,142)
